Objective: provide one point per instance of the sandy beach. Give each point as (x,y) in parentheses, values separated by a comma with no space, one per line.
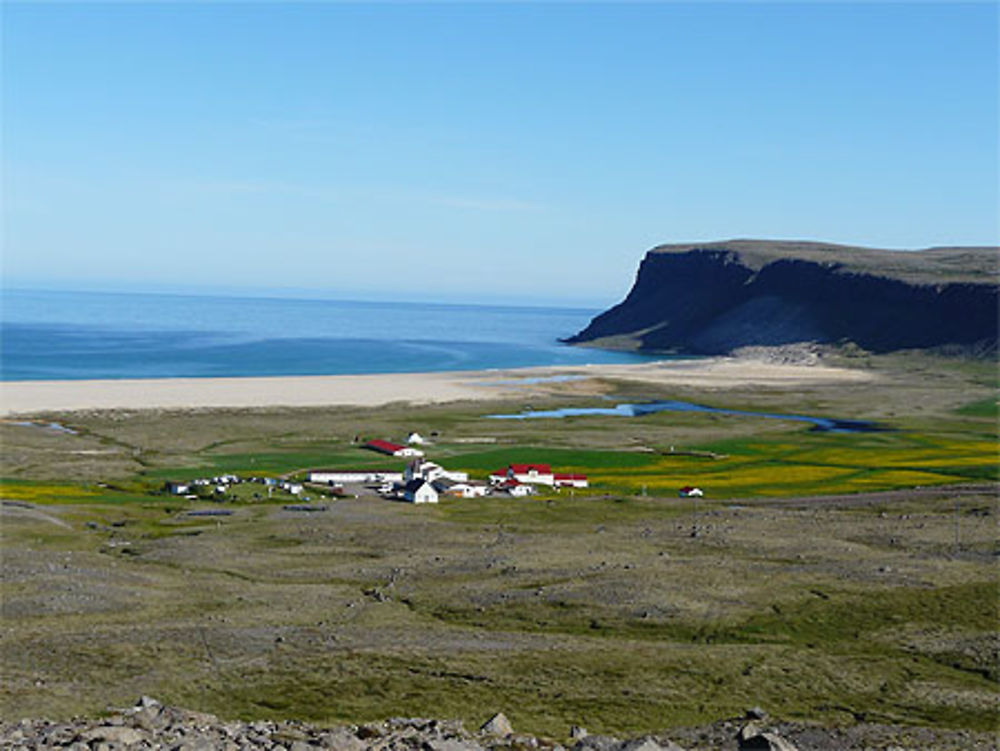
(32,397)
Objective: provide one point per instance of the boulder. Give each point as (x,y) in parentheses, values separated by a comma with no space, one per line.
(597,743)
(450,744)
(649,743)
(113,734)
(148,718)
(342,739)
(197,742)
(752,738)
(499,725)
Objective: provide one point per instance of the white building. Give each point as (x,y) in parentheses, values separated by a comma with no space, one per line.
(420,491)
(538,474)
(462,489)
(339,476)
(570,481)
(431,471)
(535,474)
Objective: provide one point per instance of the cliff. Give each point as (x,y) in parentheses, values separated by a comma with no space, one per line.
(713,298)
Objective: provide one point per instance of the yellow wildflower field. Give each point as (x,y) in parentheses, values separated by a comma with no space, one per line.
(42,493)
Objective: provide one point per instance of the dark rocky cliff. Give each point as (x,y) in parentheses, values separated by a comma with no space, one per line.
(717,297)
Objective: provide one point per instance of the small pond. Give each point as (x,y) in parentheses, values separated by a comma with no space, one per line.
(822,424)
(58,427)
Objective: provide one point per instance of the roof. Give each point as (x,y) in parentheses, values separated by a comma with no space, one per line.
(392,448)
(569,477)
(414,485)
(542,469)
(499,472)
(688,488)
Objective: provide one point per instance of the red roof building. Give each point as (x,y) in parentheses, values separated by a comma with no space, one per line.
(384,446)
(392,449)
(525,469)
(537,474)
(499,475)
(570,480)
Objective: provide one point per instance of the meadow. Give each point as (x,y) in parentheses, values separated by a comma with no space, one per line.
(793,584)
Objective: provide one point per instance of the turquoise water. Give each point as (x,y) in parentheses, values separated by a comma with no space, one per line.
(78,335)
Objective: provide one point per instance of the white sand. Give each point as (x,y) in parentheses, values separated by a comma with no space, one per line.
(29,397)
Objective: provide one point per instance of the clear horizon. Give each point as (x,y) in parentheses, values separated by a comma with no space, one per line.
(291,294)
(519,153)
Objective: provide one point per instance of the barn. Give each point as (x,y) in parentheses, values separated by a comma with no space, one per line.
(392,449)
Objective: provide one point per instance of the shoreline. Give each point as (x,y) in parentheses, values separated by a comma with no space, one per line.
(25,398)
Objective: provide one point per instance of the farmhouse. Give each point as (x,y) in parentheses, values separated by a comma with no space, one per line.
(690,492)
(538,474)
(420,491)
(393,449)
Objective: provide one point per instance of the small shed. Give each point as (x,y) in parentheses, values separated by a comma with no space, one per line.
(570,480)
(689,491)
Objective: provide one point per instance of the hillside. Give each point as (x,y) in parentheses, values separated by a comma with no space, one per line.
(712,298)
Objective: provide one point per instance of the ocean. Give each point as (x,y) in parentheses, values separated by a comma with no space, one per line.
(47,335)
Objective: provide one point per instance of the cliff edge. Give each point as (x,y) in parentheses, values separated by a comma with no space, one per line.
(713,298)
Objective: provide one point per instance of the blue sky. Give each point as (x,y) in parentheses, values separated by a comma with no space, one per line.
(521,152)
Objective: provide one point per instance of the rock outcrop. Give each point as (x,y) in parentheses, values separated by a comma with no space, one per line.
(714,298)
(150,725)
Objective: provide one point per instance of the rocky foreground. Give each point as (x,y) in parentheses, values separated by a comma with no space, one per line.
(151,725)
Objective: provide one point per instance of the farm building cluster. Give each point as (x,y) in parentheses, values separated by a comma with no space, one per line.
(421,481)
(425,481)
